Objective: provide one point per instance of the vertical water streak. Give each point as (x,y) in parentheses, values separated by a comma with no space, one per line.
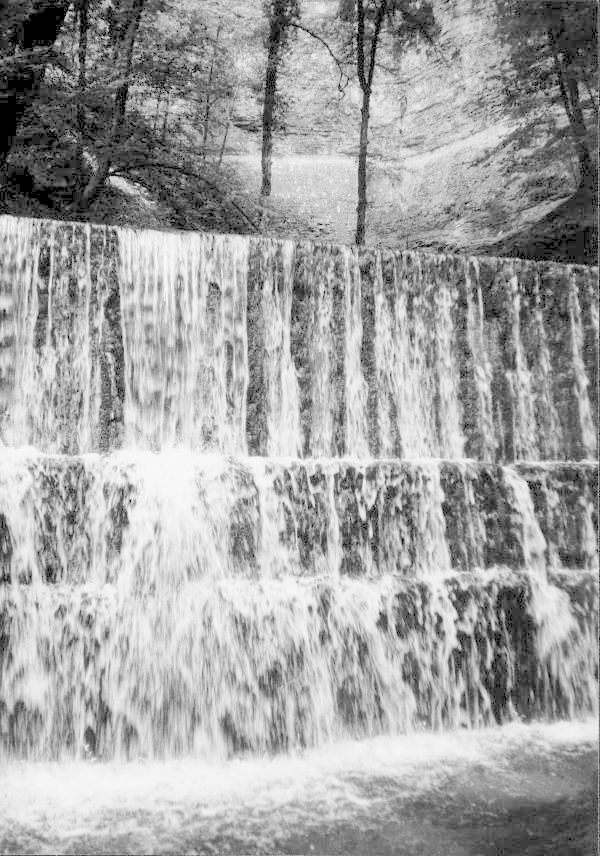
(449,411)
(288,430)
(587,431)
(20,252)
(184,318)
(419,357)
(334,547)
(532,541)
(482,374)
(281,384)
(18,525)
(549,431)
(357,443)
(518,377)
(275,559)
(403,343)
(56,309)
(322,357)
(232,252)
(434,555)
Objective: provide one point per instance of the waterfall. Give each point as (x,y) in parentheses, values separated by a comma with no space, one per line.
(259,495)
(254,666)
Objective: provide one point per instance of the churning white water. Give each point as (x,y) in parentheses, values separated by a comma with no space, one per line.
(461,794)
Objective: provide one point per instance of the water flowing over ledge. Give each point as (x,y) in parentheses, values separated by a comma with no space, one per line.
(168,604)
(111,336)
(254,667)
(259,495)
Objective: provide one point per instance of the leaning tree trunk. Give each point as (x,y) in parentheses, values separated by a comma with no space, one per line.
(588,175)
(81,87)
(208,93)
(25,51)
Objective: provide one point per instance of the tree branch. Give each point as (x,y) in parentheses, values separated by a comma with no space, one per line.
(336,59)
(378,24)
(360,44)
(126,169)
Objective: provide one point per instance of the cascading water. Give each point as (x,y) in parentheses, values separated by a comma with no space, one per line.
(260,496)
(60,294)
(113,337)
(183,305)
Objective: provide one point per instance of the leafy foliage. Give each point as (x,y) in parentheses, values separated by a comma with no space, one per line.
(174,90)
(547,72)
(408,22)
(147,117)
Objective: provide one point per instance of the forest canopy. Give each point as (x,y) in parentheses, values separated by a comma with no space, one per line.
(149,112)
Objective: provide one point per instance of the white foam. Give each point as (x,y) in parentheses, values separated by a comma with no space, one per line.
(65,796)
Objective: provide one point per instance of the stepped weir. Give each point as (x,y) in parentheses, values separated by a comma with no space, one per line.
(260,495)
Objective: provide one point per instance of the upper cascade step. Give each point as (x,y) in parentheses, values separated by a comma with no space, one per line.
(113,337)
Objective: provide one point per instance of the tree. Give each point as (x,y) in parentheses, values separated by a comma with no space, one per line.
(130,101)
(407,21)
(28,31)
(125,22)
(552,65)
(280,15)
(283,18)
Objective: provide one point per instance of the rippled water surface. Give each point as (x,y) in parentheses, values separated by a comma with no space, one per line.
(520,789)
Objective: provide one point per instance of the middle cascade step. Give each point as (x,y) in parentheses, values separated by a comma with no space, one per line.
(178,516)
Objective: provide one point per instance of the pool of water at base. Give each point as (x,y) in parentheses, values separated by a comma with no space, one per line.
(519,789)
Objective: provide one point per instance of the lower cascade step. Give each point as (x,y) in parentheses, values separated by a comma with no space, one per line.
(233,665)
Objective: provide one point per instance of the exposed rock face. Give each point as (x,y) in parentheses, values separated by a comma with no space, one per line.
(393,553)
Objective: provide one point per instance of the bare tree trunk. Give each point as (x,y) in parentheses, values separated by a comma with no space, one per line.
(361,207)
(365,67)
(163,134)
(588,174)
(159,98)
(227,127)
(35,34)
(273,60)
(125,49)
(208,91)
(81,86)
